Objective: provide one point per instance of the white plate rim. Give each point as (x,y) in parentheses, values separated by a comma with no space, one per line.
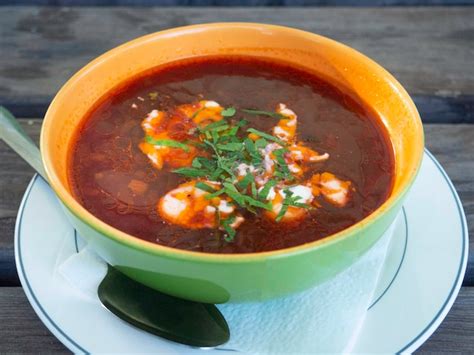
(411,346)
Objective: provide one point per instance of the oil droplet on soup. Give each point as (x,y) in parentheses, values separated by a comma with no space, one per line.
(230,155)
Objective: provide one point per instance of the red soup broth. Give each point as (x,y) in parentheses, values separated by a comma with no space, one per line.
(113,178)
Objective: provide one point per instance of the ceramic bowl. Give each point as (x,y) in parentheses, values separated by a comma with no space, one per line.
(221,278)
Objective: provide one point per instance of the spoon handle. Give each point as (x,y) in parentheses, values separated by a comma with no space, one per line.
(12,133)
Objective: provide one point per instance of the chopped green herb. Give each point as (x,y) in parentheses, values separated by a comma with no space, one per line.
(216,151)
(214,194)
(167,142)
(190,172)
(289,200)
(216,174)
(214,126)
(194,115)
(205,187)
(263,194)
(282,170)
(234,194)
(221,128)
(233,131)
(225,147)
(278,153)
(300,205)
(261,143)
(226,224)
(252,151)
(231,147)
(242,123)
(228,112)
(253,189)
(244,183)
(283,210)
(250,146)
(266,136)
(263,113)
(196,163)
(194,143)
(253,202)
(215,136)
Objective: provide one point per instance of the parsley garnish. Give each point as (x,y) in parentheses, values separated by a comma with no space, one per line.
(224,145)
(263,194)
(167,143)
(263,113)
(246,181)
(226,224)
(283,171)
(190,172)
(205,187)
(266,136)
(231,147)
(228,112)
(215,126)
(289,200)
(197,112)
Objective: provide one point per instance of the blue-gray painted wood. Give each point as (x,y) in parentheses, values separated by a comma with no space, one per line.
(429,50)
(23,332)
(357,3)
(8,274)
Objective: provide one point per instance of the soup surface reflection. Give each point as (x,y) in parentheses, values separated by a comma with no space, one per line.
(230,155)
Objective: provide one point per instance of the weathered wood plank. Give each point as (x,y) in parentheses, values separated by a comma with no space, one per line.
(15,173)
(237,2)
(22,331)
(429,49)
(456,333)
(453,145)
(435,109)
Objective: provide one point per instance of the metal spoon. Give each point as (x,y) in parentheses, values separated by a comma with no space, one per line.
(191,323)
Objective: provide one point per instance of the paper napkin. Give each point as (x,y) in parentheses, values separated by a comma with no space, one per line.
(324,319)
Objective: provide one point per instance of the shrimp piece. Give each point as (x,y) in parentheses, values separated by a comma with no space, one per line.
(300,155)
(286,127)
(188,206)
(152,120)
(333,189)
(178,125)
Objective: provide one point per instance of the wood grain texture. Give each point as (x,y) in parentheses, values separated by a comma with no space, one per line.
(453,146)
(428,49)
(22,331)
(20,328)
(237,2)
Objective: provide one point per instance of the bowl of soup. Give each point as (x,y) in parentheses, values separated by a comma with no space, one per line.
(232,162)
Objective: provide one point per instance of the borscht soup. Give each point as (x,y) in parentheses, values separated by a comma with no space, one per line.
(230,155)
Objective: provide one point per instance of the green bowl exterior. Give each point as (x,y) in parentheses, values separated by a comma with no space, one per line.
(258,279)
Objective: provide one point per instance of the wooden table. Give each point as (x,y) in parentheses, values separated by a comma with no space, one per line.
(429,49)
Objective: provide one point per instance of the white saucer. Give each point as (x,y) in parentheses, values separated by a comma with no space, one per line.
(419,283)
